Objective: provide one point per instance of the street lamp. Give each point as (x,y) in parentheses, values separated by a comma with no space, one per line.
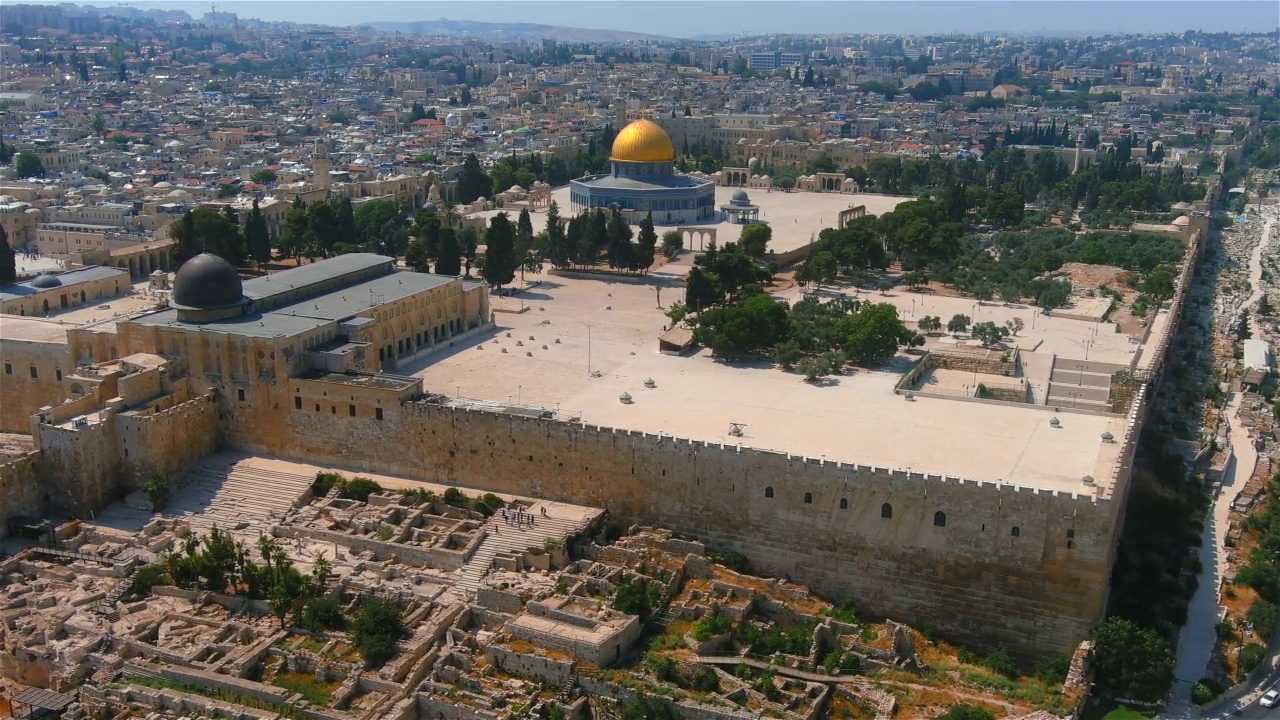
(589,326)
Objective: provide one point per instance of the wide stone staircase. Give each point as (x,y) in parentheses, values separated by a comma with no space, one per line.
(510,540)
(235,496)
(1081,385)
(224,490)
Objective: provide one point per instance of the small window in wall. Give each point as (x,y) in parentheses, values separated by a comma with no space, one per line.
(768,492)
(808,498)
(240,394)
(377,413)
(57,373)
(844,503)
(1016,531)
(297,403)
(939,519)
(886,511)
(333,409)
(351,410)
(317,407)
(1071,533)
(34,373)
(8,368)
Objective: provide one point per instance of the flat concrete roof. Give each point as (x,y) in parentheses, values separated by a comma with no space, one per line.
(312,273)
(344,302)
(16,328)
(252,325)
(853,418)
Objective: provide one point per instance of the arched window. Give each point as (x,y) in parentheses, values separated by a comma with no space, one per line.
(768,492)
(844,504)
(1016,531)
(939,519)
(808,498)
(886,510)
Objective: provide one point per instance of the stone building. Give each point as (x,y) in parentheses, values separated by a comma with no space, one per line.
(36,358)
(644,180)
(59,291)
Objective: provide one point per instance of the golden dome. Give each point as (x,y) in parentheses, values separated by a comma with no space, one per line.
(643,141)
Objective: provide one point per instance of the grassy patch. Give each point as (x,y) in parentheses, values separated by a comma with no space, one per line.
(311,689)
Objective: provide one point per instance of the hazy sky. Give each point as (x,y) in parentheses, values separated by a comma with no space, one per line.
(677,18)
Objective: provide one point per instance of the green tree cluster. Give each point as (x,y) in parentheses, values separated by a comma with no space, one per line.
(207,230)
(376,627)
(1132,661)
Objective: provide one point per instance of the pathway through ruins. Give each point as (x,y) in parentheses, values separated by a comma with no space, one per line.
(1196,641)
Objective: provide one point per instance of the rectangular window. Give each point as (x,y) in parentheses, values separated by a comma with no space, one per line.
(57,373)
(297,403)
(34,374)
(351,410)
(317,407)
(8,368)
(240,394)
(377,413)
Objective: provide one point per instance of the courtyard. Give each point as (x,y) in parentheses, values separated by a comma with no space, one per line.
(582,343)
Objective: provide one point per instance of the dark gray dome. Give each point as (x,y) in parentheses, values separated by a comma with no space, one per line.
(207,282)
(45,280)
(739,197)
(431,207)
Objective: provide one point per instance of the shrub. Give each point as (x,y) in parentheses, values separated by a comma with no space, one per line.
(831,662)
(1250,656)
(664,668)
(999,661)
(964,711)
(376,628)
(845,612)
(704,680)
(359,488)
(488,504)
(453,496)
(1224,630)
(322,612)
(1262,616)
(324,482)
(1202,692)
(710,626)
(1054,670)
(418,496)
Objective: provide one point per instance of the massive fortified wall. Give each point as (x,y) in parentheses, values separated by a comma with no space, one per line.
(983,563)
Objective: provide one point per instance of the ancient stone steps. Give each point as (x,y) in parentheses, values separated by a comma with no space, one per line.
(511,540)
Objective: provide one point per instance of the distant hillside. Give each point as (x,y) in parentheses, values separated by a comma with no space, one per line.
(508,32)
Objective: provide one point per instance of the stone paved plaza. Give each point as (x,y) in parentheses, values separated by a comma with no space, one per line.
(854,417)
(796,217)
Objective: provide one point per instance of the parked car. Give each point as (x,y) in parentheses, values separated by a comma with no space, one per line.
(1271,699)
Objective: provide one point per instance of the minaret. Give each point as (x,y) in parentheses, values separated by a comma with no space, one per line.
(1075,168)
(320,165)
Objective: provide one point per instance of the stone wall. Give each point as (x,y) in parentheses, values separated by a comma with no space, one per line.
(970,580)
(31,373)
(534,667)
(503,602)
(89,466)
(20,491)
(169,441)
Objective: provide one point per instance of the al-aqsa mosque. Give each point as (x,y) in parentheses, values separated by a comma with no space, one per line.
(644,180)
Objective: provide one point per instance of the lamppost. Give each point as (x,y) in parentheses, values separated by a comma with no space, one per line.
(589,326)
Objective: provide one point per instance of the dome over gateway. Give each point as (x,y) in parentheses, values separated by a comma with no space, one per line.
(207,282)
(45,281)
(643,141)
